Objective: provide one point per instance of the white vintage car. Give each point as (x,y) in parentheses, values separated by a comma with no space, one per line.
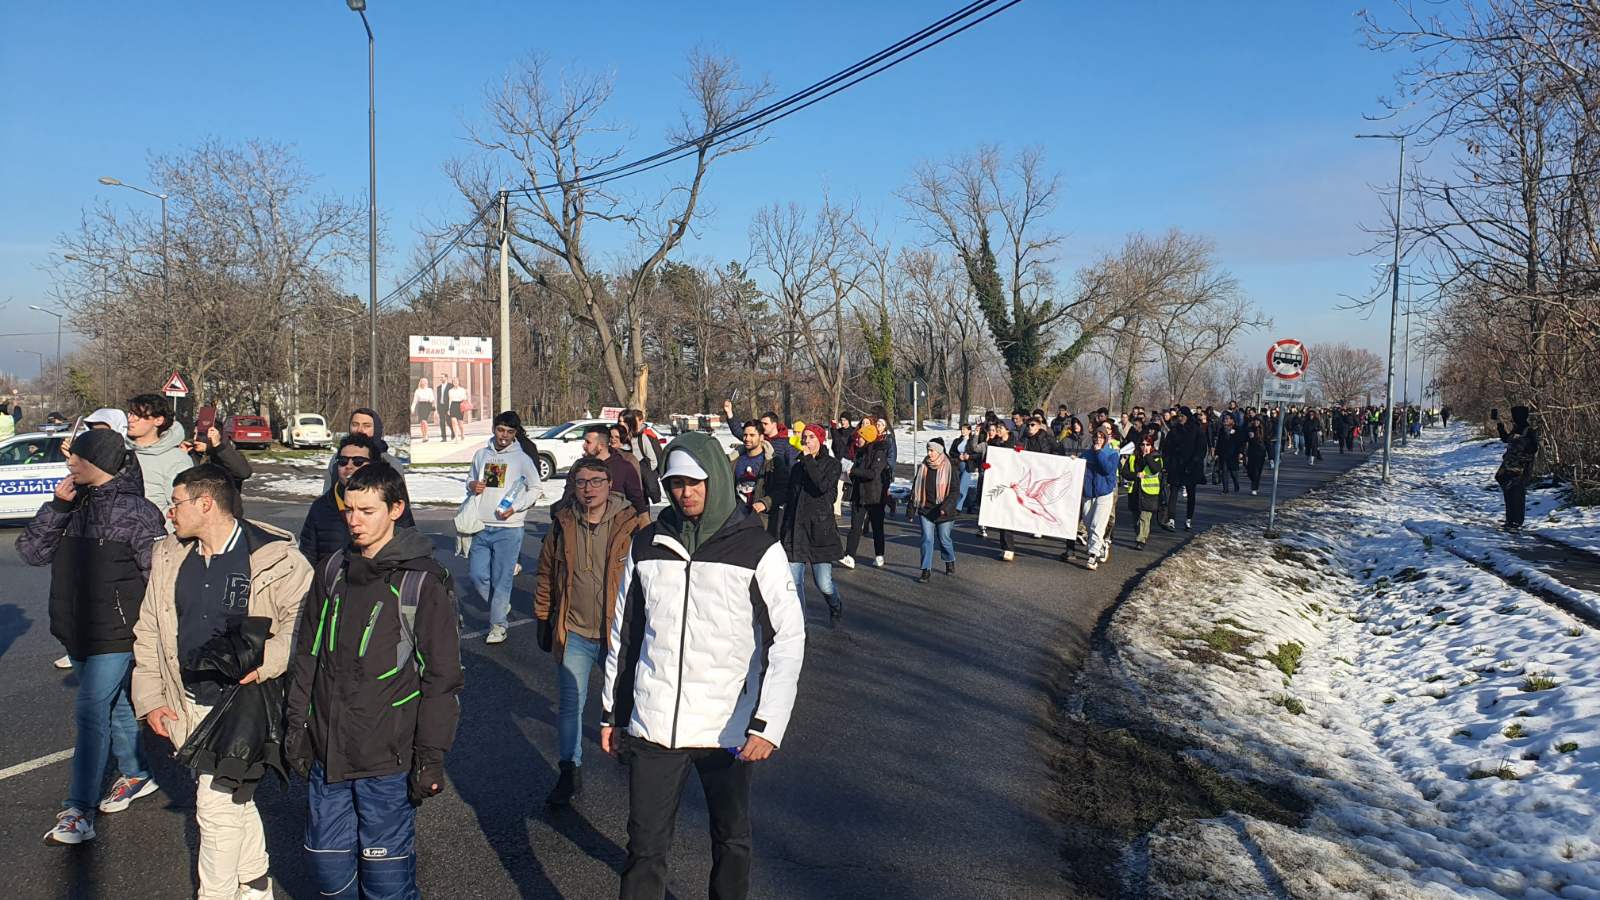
(31,465)
(307,430)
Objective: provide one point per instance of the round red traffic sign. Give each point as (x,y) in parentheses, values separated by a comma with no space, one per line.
(1287,359)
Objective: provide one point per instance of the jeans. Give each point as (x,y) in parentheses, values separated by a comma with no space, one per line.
(822,574)
(578,659)
(1230,472)
(492,564)
(361,837)
(941,530)
(655,785)
(969,484)
(106,727)
(1096,510)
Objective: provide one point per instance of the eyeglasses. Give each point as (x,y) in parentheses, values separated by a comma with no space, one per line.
(357,461)
(172,505)
(597,481)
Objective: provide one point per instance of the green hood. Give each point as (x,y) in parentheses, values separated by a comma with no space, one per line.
(720,497)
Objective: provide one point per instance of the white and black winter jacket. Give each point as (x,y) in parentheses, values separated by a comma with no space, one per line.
(705,649)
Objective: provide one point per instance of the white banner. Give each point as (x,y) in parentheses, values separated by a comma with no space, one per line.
(1031,493)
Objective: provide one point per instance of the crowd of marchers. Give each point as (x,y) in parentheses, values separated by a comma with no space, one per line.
(335,654)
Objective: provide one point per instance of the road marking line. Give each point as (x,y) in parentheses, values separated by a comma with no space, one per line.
(30,765)
(23,768)
(472,635)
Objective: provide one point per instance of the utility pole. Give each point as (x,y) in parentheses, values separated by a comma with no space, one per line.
(1405,367)
(360,6)
(1394,300)
(505,303)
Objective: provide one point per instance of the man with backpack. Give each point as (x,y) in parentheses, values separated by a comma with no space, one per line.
(373,704)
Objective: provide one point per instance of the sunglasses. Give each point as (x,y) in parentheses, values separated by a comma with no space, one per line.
(357,461)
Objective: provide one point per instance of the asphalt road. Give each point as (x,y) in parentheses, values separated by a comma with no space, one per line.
(917,764)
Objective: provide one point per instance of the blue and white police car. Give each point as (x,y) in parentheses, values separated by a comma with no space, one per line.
(31,465)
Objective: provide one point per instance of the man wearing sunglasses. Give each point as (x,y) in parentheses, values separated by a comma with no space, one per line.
(325,532)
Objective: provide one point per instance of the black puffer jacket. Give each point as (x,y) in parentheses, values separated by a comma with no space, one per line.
(98,547)
(871,475)
(1185,453)
(324,532)
(242,737)
(810,534)
(352,703)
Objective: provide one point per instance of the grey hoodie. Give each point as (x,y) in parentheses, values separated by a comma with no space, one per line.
(161,462)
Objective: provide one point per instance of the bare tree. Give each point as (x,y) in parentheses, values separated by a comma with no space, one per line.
(547,130)
(1343,374)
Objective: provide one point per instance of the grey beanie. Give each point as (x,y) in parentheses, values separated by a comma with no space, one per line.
(101,447)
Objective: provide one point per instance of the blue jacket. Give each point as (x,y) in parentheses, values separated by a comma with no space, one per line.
(1100,472)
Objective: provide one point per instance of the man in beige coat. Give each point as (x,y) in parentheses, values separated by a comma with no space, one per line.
(213,568)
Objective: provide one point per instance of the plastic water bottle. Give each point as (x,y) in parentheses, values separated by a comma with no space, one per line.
(509,498)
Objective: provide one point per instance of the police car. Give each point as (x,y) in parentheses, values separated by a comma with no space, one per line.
(31,465)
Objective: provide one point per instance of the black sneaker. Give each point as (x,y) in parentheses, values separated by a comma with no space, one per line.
(950,567)
(1066,556)
(835,614)
(925,576)
(568,786)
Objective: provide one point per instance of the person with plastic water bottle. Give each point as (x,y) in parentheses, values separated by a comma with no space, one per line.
(505,483)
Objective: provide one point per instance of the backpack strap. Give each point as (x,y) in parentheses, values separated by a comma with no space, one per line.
(410,596)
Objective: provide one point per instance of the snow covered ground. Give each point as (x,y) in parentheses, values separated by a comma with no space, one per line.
(1444,722)
(431,486)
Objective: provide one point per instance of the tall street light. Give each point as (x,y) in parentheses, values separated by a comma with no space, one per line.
(112,182)
(59,319)
(1394,299)
(360,6)
(41,361)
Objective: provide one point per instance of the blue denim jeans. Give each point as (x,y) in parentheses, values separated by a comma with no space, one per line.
(941,530)
(969,483)
(578,659)
(106,727)
(822,574)
(492,564)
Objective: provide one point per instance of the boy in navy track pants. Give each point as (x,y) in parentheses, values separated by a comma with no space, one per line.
(373,707)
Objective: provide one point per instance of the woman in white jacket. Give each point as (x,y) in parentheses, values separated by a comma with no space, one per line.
(505,481)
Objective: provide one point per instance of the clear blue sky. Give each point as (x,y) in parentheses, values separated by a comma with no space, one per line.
(1230,120)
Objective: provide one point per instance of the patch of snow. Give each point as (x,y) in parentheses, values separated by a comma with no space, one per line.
(1444,722)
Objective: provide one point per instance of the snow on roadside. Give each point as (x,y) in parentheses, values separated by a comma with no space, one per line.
(1444,723)
(432,487)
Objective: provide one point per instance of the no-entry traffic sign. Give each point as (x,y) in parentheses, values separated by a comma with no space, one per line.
(1287,359)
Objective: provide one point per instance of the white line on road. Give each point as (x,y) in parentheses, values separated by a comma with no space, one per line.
(30,765)
(23,768)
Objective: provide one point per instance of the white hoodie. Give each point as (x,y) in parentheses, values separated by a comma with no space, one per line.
(501,470)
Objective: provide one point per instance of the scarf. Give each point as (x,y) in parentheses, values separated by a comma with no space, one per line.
(941,480)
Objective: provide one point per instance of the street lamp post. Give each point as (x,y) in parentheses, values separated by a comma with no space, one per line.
(41,360)
(107,180)
(59,319)
(1394,299)
(360,6)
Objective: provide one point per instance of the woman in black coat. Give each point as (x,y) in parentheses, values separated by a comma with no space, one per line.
(870,478)
(809,533)
(1255,452)
(1185,455)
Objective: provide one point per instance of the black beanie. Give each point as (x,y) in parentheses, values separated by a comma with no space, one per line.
(101,447)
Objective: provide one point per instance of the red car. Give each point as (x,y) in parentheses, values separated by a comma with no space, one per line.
(247,431)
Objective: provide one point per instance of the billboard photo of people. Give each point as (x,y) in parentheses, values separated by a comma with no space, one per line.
(452,396)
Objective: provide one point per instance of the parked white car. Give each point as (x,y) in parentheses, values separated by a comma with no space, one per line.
(307,430)
(561,446)
(31,465)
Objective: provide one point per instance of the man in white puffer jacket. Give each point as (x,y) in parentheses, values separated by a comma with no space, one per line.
(706,646)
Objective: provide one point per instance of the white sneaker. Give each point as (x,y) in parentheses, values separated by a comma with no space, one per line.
(1008,556)
(1092,564)
(247,892)
(983,532)
(64,662)
(124,791)
(877,561)
(497,635)
(72,827)
(849,562)
(1254,493)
